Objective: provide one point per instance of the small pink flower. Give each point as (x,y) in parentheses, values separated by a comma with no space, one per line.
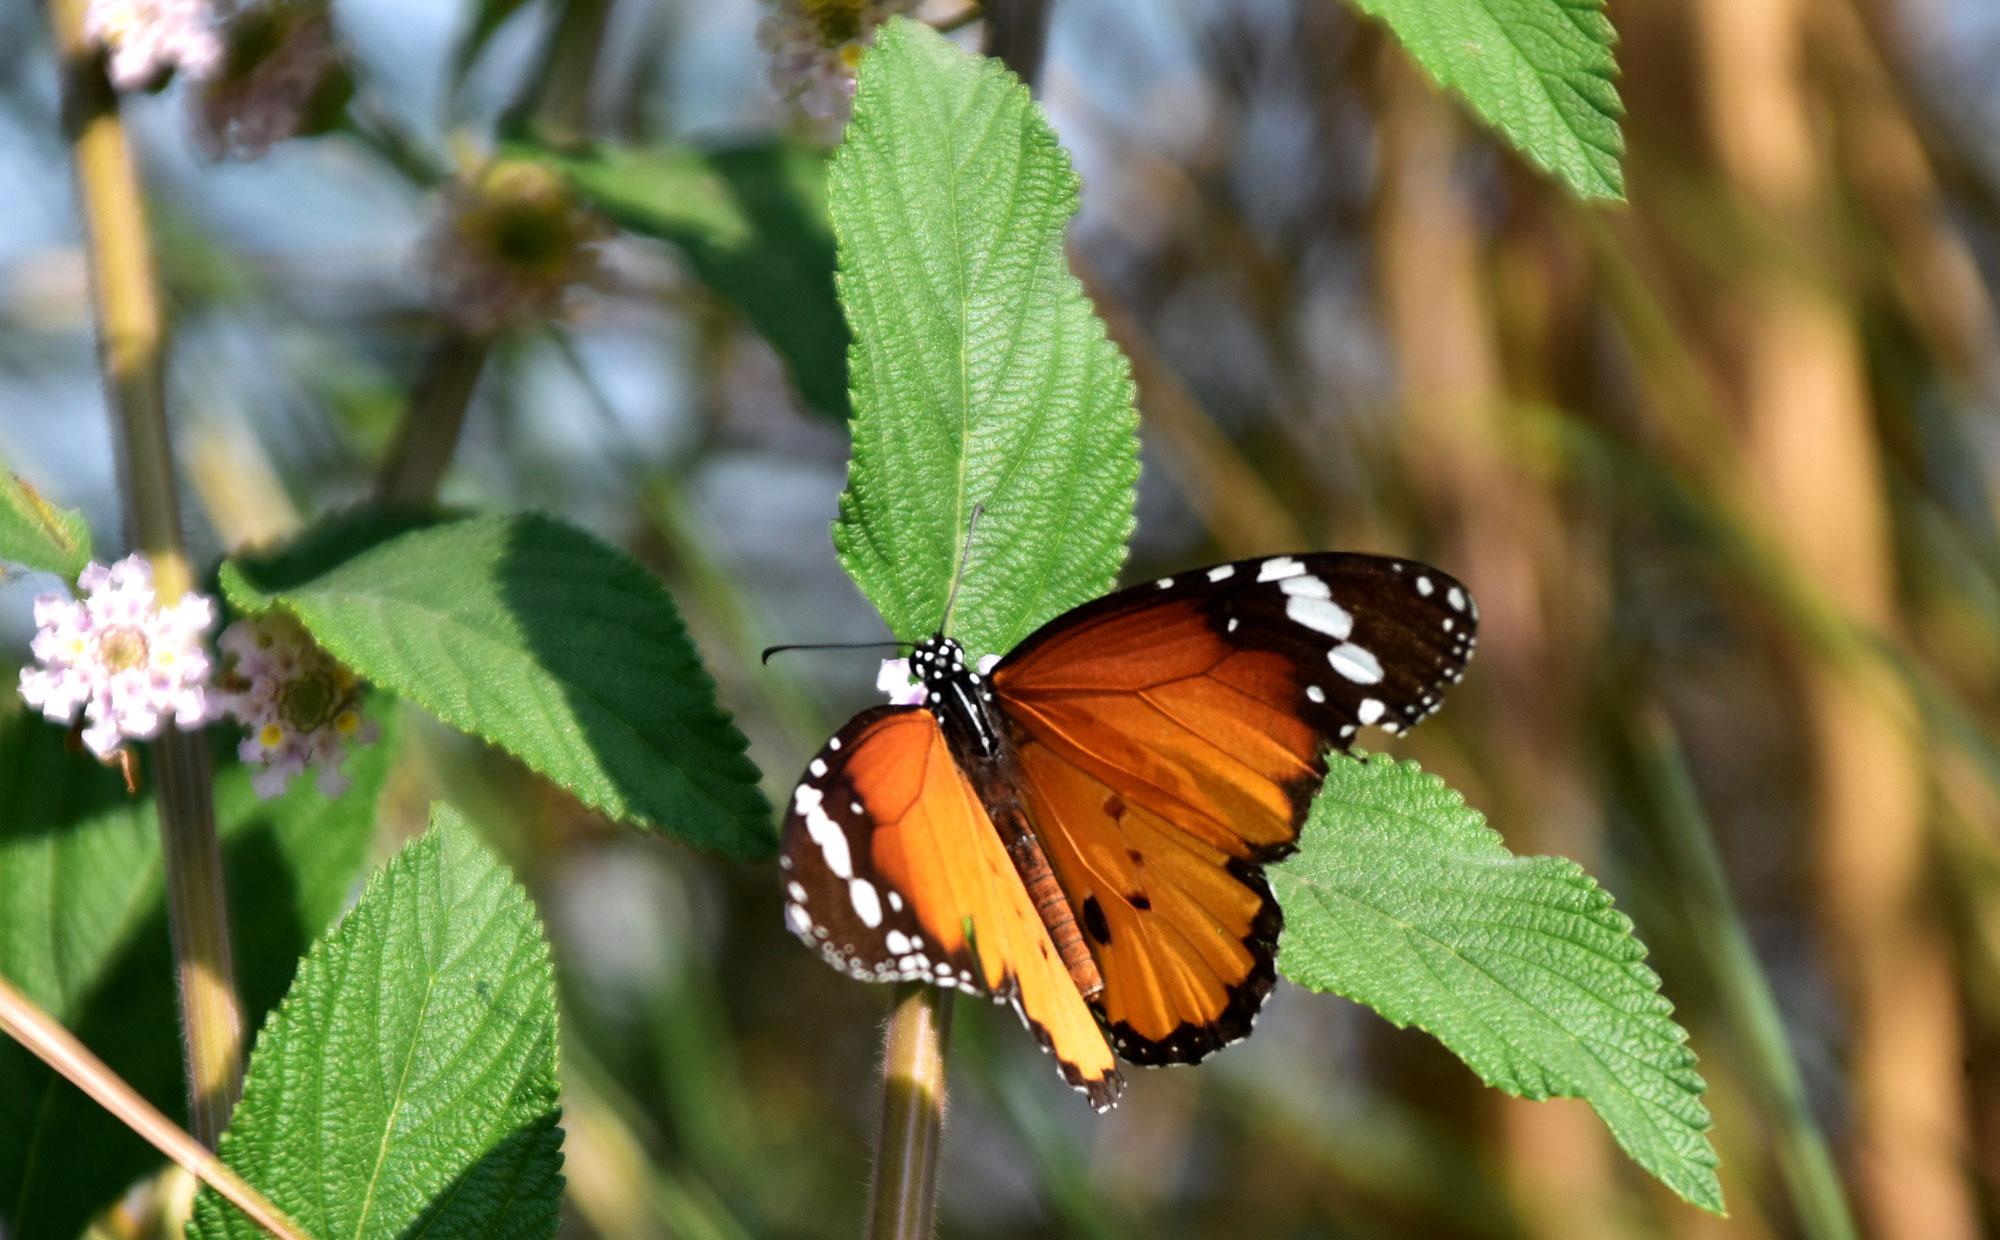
(282,76)
(815,46)
(301,706)
(148,39)
(127,662)
(508,245)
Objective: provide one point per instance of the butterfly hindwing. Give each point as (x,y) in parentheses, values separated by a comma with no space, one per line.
(1169,739)
(894,872)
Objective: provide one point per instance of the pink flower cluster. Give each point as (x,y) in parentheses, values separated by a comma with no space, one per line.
(126,661)
(300,706)
(815,46)
(149,38)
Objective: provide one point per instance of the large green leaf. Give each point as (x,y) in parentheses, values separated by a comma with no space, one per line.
(36,534)
(981,376)
(1403,899)
(83,932)
(752,222)
(537,637)
(1541,71)
(407,1084)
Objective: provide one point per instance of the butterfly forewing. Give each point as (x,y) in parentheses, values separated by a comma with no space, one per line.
(1169,739)
(894,872)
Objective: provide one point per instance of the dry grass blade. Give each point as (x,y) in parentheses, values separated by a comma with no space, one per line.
(54,1046)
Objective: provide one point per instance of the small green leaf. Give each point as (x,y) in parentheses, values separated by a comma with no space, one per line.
(1403,899)
(533,635)
(981,376)
(83,932)
(1541,71)
(36,534)
(752,222)
(407,1084)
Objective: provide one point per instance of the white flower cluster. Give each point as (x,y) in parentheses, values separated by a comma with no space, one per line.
(815,46)
(148,38)
(127,661)
(300,706)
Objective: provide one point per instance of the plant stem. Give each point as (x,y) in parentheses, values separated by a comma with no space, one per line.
(131,332)
(428,434)
(1804,1158)
(55,1046)
(904,1195)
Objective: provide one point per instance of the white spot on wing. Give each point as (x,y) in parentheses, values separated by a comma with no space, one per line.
(1315,693)
(797,891)
(1320,615)
(1355,663)
(1165,583)
(1370,710)
(1306,584)
(798,919)
(1222,572)
(867,903)
(818,768)
(1424,586)
(808,802)
(898,943)
(1278,568)
(896,901)
(1456,597)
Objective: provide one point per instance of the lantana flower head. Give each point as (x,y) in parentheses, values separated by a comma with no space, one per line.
(281,76)
(510,242)
(117,654)
(147,39)
(300,705)
(815,46)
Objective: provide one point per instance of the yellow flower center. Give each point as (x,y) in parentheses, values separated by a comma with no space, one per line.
(309,701)
(122,649)
(271,735)
(839,21)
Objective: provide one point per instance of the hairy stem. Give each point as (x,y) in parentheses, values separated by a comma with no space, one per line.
(904,1195)
(130,334)
(49,1042)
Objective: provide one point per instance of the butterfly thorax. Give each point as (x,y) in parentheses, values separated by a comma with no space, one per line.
(961,699)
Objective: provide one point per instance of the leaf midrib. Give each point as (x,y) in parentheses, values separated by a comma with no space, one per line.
(396,1105)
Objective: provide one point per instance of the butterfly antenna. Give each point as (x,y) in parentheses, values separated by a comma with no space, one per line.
(964,558)
(885,645)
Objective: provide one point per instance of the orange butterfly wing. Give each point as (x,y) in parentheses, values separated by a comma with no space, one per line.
(895,872)
(1169,740)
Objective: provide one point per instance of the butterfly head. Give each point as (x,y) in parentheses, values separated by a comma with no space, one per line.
(937,660)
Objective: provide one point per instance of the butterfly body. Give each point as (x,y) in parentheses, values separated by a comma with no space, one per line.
(1081,831)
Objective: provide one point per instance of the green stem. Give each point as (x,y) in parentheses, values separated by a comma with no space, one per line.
(1804,1157)
(415,464)
(904,1197)
(131,334)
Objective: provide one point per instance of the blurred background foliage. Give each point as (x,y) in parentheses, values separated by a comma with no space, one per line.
(1719,463)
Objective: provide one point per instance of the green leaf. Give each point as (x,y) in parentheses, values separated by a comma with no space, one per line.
(981,376)
(1541,71)
(407,1084)
(36,534)
(83,932)
(533,635)
(1403,899)
(752,222)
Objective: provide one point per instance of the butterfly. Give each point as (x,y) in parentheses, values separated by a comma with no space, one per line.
(1081,830)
